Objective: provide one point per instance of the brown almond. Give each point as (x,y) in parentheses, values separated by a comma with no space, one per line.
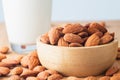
(14,77)
(83,34)
(2,64)
(105,78)
(91,78)
(93,40)
(43,75)
(16,71)
(118,49)
(100,34)
(73,28)
(4,71)
(55,77)
(2,56)
(112,70)
(62,42)
(4,49)
(27,72)
(32,78)
(92,30)
(39,68)
(44,38)
(106,39)
(98,26)
(54,36)
(10,61)
(24,61)
(73,38)
(115,78)
(75,45)
(51,71)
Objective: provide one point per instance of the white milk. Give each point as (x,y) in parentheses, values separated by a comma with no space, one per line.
(26,19)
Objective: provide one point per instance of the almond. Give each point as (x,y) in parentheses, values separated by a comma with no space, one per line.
(105,78)
(118,49)
(115,78)
(43,75)
(55,77)
(16,71)
(62,42)
(87,25)
(24,61)
(44,38)
(98,26)
(92,30)
(60,29)
(83,34)
(27,72)
(14,77)
(10,61)
(93,40)
(32,78)
(54,35)
(91,78)
(51,71)
(73,28)
(4,71)
(75,45)
(100,34)
(2,56)
(73,78)
(2,64)
(106,39)
(39,68)
(112,70)
(73,38)
(4,49)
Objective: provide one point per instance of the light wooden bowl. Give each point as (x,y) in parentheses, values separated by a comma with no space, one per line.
(77,61)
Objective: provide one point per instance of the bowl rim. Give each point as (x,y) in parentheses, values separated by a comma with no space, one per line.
(97,46)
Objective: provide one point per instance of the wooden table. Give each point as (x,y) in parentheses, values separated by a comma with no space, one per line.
(113,26)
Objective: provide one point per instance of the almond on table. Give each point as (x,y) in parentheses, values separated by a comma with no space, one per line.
(4,49)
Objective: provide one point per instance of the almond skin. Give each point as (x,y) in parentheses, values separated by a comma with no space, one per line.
(73,38)
(14,77)
(98,26)
(4,71)
(91,78)
(51,71)
(62,42)
(100,34)
(83,34)
(112,70)
(73,28)
(43,75)
(75,45)
(10,61)
(55,77)
(44,38)
(27,72)
(115,78)
(105,78)
(4,49)
(92,30)
(39,68)
(2,56)
(106,39)
(93,40)
(54,36)
(2,64)
(32,78)
(16,71)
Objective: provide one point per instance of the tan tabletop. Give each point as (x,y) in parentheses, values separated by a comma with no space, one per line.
(112,26)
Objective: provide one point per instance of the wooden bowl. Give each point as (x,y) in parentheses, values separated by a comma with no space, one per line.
(77,61)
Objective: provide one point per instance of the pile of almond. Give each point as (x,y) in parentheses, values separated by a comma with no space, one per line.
(28,67)
(77,35)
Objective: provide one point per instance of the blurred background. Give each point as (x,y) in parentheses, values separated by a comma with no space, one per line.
(72,10)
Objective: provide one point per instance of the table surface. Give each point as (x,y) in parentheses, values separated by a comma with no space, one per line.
(112,26)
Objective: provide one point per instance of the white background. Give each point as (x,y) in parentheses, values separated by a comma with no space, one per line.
(67,10)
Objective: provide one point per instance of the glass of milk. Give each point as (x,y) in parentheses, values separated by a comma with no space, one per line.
(25,21)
